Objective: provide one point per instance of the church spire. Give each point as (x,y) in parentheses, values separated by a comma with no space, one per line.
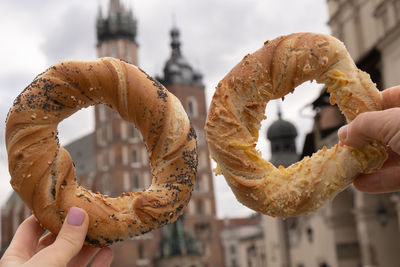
(118,24)
(175,43)
(177,70)
(282,135)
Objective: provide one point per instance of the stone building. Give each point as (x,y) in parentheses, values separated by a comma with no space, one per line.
(243,241)
(282,136)
(355,229)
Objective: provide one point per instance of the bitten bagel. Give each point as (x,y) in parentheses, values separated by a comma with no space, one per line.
(42,172)
(238,107)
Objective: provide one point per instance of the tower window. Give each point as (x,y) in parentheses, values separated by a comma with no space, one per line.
(141,251)
(192,106)
(128,52)
(102,113)
(136,182)
(126,181)
(132,131)
(135,155)
(310,234)
(200,207)
(113,49)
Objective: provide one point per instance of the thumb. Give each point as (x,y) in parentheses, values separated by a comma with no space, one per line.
(69,240)
(382,125)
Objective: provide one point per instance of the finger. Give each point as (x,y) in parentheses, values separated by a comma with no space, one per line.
(104,258)
(376,125)
(68,242)
(25,240)
(391,97)
(46,241)
(84,256)
(383,181)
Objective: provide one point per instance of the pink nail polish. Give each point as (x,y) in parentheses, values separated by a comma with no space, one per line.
(75,216)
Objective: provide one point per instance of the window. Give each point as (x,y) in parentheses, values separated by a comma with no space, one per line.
(192,106)
(102,160)
(135,155)
(207,207)
(113,49)
(141,251)
(126,183)
(191,207)
(102,112)
(197,185)
(101,136)
(111,157)
(105,184)
(200,207)
(310,234)
(203,160)
(205,186)
(146,179)
(132,131)
(128,52)
(109,131)
(124,155)
(136,181)
(124,130)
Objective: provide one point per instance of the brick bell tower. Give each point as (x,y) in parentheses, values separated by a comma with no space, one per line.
(200,217)
(121,157)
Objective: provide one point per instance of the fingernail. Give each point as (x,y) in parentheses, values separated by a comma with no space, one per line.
(75,216)
(342,133)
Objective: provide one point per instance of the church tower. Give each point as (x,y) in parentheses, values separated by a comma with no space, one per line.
(282,135)
(121,157)
(116,33)
(121,160)
(200,217)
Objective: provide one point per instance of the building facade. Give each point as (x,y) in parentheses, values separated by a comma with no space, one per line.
(243,241)
(121,156)
(355,229)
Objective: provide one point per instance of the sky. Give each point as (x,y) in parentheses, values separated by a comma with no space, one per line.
(215,36)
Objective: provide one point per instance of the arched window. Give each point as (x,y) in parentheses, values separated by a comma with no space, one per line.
(136,181)
(113,49)
(102,112)
(135,155)
(126,182)
(132,132)
(192,107)
(141,251)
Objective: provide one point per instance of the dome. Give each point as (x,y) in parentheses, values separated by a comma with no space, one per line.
(177,70)
(281,129)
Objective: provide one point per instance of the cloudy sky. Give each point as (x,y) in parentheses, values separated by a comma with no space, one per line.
(215,35)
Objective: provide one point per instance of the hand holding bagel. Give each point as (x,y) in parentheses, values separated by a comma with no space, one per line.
(238,106)
(383,126)
(30,247)
(43,174)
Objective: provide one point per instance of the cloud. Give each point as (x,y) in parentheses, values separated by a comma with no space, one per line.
(72,36)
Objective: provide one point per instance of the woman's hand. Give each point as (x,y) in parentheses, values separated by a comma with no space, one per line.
(383,126)
(28,248)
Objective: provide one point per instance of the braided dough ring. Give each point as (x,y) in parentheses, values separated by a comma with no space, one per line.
(42,171)
(238,107)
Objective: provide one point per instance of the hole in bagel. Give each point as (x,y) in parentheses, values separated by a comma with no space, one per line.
(109,158)
(305,107)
